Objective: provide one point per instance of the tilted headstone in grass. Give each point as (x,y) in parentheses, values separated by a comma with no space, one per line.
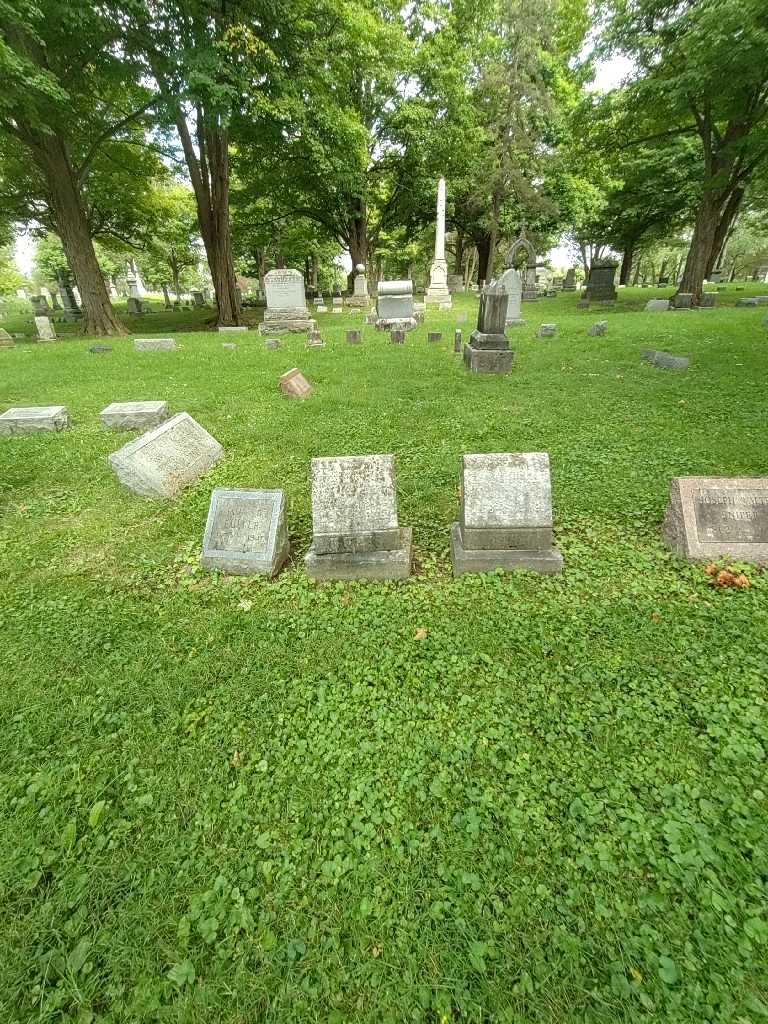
(546,331)
(33,419)
(356,534)
(133,415)
(45,329)
(599,329)
(665,360)
(246,532)
(154,344)
(166,459)
(6,341)
(710,517)
(505,515)
(488,349)
(656,305)
(294,384)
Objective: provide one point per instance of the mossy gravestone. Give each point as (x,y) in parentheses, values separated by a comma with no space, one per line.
(246,532)
(711,517)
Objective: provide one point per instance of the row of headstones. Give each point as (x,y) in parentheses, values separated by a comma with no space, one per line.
(505,516)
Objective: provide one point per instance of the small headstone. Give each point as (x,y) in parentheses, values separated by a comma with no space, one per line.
(505,515)
(710,517)
(230,345)
(395,306)
(434,336)
(45,329)
(232,329)
(133,415)
(166,459)
(134,306)
(34,418)
(154,344)
(271,344)
(656,305)
(397,337)
(315,340)
(683,300)
(337,304)
(457,341)
(546,331)
(582,304)
(100,349)
(746,302)
(708,300)
(598,330)
(294,384)
(354,337)
(665,360)
(246,532)
(199,300)
(356,534)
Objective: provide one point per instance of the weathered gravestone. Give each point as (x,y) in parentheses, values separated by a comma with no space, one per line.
(683,300)
(397,337)
(359,295)
(665,360)
(337,304)
(488,349)
(199,299)
(356,534)
(457,342)
(33,419)
(708,300)
(546,331)
(456,283)
(154,344)
(354,337)
(315,340)
(294,384)
(569,284)
(710,517)
(394,306)
(438,291)
(746,302)
(434,336)
(133,415)
(71,309)
(100,349)
(39,305)
(582,304)
(166,459)
(512,282)
(232,328)
(272,344)
(505,515)
(286,304)
(246,532)
(600,285)
(656,305)
(599,329)
(45,329)
(134,306)
(229,345)
(762,300)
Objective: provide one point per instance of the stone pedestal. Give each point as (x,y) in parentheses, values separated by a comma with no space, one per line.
(488,349)
(359,298)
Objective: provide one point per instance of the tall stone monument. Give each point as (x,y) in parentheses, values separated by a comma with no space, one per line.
(438,275)
(286,304)
(488,349)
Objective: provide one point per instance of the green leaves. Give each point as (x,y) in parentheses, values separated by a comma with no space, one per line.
(182,974)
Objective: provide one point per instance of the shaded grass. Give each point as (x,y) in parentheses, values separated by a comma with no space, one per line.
(235,800)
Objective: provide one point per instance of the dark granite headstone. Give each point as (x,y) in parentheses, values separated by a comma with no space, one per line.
(600,284)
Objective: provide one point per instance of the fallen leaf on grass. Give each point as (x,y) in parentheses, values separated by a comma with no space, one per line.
(245,606)
(420,634)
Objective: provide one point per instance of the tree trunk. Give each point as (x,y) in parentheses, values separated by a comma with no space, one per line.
(626,264)
(358,238)
(636,278)
(166,297)
(584,260)
(66,204)
(458,263)
(727,219)
(704,231)
(173,263)
(483,257)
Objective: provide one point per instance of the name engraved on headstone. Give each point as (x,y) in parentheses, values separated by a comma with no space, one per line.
(728,517)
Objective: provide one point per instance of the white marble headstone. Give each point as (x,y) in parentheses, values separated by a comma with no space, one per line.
(285,289)
(504,491)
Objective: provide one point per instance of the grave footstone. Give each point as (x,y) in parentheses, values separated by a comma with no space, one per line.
(246,532)
(711,517)
(354,337)
(294,384)
(683,300)
(599,329)
(457,341)
(232,329)
(666,360)
(166,459)
(397,337)
(488,349)
(229,345)
(272,344)
(356,534)
(505,515)
(33,419)
(546,331)
(286,303)
(434,336)
(45,329)
(133,415)
(746,302)
(656,305)
(154,344)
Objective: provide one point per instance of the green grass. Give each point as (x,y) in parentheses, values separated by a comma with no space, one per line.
(239,800)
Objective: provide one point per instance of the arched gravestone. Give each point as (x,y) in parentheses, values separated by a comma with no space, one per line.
(522,244)
(512,283)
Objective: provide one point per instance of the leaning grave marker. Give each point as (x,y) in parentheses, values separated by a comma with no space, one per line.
(710,517)
(246,532)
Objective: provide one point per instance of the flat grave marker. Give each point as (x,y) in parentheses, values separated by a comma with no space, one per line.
(711,517)
(246,532)
(33,419)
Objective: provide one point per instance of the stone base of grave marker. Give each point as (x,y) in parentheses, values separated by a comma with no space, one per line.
(154,344)
(246,533)
(33,419)
(718,517)
(391,564)
(286,321)
(239,329)
(683,300)
(100,349)
(762,300)
(133,415)
(294,384)
(656,305)
(397,337)
(487,560)
(401,324)
(488,360)
(166,459)
(665,360)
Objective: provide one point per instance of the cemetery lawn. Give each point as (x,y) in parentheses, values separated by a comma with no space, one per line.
(502,798)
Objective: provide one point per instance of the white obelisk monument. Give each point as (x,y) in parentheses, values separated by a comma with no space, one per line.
(438,274)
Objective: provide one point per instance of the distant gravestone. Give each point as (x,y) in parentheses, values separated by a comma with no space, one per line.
(229,345)
(354,337)
(337,304)
(762,300)
(488,349)
(39,305)
(708,300)
(359,295)
(512,283)
(666,360)
(246,532)
(505,515)
(34,419)
(134,306)
(397,337)
(6,341)
(656,305)
(166,459)
(569,284)
(395,307)
(546,331)
(455,283)
(315,340)
(232,328)
(199,300)
(434,336)
(600,284)
(718,517)
(133,415)
(599,329)
(582,304)
(286,303)
(100,349)
(457,341)
(746,302)
(683,300)
(272,344)
(45,329)
(154,344)
(356,534)
(294,384)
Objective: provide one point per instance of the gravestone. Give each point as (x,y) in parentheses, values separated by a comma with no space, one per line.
(569,284)
(286,305)
(199,300)
(710,517)
(229,345)
(100,349)
(246,533)
(557,283)
(354,337)
(356,534)
(134,306)
(394,306)
(434,336)
(154,344)
(39,304)
(45,329)
(315,340)
(33,419)
(456,283)
(294,384)
(505,515)
(708,300)
(600,285)
(656,305)
(488,349)
(272,344)
(746,302)
(546,331)
(397,337)
(716,276)
(337,304)
(232,329)
(359,296)
(512,282)
(457,341)
(683,300)
(71,309)
(582,304)
(665,360)
(6,341)
(598,330)
(133,415)
(166,459)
